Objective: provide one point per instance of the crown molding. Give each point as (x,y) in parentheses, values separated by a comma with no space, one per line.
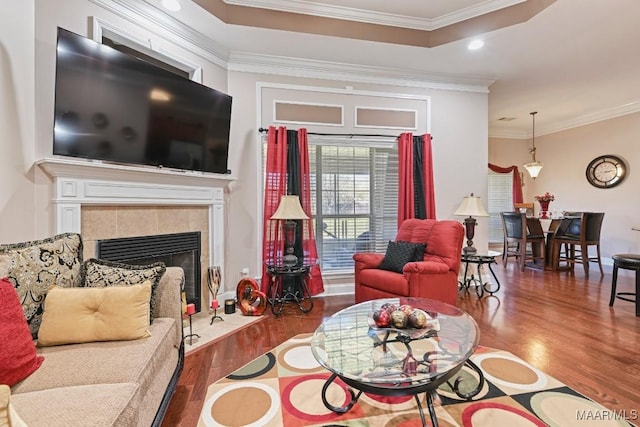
(304,68)
(586,119)
(380,18)
(147,16)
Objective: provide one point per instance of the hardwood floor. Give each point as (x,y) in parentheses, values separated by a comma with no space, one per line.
(558,322)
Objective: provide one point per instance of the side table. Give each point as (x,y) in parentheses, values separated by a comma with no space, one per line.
(289,284)
(480,260)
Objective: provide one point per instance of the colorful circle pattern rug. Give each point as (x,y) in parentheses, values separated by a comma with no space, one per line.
(284,388)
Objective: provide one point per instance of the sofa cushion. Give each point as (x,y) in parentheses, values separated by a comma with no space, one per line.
(18,358)
(35,266)
(103,362)
(399,253)
(84,405)
(8,415)
(76,315)
(101,273)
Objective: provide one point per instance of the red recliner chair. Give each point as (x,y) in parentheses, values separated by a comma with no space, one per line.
(436,277)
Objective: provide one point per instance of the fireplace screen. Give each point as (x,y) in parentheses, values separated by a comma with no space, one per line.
(175,250)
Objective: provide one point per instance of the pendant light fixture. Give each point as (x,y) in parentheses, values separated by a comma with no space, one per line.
(534,167)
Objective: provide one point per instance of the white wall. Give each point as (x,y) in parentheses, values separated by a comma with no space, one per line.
(17,120)
(565,156)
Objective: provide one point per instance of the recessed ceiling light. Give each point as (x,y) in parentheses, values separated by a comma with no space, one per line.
(171,5)
(475,44)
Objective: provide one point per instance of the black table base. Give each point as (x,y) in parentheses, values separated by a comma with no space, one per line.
(429,388)
(289,284)
(480,285)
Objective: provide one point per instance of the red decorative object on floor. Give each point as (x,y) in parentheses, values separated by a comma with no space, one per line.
(251,300)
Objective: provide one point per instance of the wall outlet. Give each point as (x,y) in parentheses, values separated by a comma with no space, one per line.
(244,272)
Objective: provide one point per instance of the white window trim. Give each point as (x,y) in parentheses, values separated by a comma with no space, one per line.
(348,90)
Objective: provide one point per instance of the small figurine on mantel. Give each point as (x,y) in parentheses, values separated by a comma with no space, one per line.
(214,277)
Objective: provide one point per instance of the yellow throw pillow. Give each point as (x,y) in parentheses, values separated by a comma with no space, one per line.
(77,315)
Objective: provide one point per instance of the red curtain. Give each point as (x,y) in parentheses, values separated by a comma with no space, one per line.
(516,191)
(308,238)
(407,197)
(429,187)
(275,186)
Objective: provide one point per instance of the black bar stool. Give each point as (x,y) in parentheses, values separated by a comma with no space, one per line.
(627,262)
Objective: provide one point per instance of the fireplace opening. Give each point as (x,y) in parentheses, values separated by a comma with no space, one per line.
(175,250)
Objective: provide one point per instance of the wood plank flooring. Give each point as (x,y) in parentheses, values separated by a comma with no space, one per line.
(559,322)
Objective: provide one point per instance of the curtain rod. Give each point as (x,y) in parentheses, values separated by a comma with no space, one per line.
(261,130)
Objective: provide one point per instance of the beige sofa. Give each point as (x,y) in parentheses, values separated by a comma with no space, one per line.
(116,383)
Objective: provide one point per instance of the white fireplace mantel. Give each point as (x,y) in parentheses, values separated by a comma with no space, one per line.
(77,182)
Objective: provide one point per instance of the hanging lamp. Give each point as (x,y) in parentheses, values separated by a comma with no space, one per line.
(535,166)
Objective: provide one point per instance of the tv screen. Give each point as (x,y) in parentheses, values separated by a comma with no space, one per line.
(116,107)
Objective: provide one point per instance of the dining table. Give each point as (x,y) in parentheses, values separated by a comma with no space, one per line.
(552,227)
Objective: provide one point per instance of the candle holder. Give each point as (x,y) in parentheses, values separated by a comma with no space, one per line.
(215,306)
(191,310)
(214,277)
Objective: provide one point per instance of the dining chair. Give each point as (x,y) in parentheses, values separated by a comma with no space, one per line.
(523,240)
(579,233)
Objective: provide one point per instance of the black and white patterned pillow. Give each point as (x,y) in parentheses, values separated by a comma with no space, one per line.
(33,267)
(97,273)
(399,253)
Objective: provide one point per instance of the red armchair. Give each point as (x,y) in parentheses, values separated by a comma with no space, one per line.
(436,277)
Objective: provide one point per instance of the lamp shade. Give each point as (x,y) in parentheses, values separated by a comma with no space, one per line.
(471,206)
(289,208)
(533,168)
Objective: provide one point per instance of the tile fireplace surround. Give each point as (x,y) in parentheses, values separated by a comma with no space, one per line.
(109,188)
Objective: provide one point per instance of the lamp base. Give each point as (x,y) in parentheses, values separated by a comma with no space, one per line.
(470,228)
(469,250)
(289,260)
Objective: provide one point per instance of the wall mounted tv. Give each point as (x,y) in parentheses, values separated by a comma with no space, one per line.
(116,107)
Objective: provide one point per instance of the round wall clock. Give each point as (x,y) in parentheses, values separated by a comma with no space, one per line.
(606,171)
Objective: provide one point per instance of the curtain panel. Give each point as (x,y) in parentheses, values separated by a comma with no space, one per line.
(275,186)
(287,173)
(416,194)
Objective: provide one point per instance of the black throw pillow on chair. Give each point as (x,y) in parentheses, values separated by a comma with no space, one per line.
(399,253)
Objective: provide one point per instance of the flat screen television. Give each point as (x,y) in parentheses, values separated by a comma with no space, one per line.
(119,108)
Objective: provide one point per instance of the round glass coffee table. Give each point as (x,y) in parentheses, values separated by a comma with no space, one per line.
(397,362)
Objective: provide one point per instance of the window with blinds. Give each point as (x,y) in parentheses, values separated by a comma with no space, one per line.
(354,197)
(500,200)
